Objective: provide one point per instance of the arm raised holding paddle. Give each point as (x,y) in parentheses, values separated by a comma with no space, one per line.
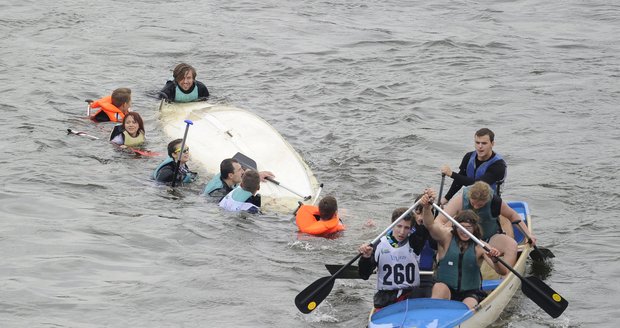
(308,299)
(535,289)
(396,259)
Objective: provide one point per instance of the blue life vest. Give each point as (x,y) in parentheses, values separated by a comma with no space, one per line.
(162,164)
(236,201)
(189,177)
(182,97)
(215,184)
(477,172)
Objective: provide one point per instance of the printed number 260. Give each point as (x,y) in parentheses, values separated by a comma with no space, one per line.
(401,274)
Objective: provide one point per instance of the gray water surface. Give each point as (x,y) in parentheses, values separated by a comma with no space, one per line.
(375,97)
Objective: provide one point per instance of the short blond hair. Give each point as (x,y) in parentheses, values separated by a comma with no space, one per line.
(480,191)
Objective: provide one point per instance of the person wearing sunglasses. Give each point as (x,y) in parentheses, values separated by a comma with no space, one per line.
(165,171)
(459,258)
(489,207)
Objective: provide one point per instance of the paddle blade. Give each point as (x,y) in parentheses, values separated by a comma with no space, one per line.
(545,297)
(145,152)
(350,272)
(308,299)
(536,255)
(547,253)
(541,254)
(245,161)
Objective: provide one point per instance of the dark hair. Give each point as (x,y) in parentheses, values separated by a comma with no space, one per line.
(418,208)
(226,167)
(470,217)
(136,117)
(485,132)
(182,69)
(250,181)
(399,211)
(172,146)
(328,207)
(121,96)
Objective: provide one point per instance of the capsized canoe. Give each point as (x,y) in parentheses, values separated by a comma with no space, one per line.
(425,312)
(221,131)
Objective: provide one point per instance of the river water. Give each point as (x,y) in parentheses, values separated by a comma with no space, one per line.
(376,96)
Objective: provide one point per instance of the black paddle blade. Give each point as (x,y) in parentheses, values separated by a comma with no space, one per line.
(350,272)
(541,254)
(245,161)
(545,297)
(537,255)
(308,299)
(546,253)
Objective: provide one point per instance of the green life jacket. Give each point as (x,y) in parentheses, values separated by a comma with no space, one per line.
(180,96)
(460,271)
(489,223)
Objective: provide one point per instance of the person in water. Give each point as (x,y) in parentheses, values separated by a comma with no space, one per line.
(245,197)
(184,87)
(231,173)
(165,171)
(458,275)
(396,258)
(319,220)
(488,206)
(112,108)
(482,164)
(130,133)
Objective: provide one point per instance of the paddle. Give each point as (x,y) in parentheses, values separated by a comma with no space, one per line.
(443,179)
(135,150)
(250,163)
(308,299)
(318,192)
(82,134)
(537,254)
(535,289)
(178,164)
(88,101)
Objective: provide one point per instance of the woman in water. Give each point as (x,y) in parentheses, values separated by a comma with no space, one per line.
(130,133)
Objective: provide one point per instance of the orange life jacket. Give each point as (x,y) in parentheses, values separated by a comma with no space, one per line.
(105,103)
(307,222)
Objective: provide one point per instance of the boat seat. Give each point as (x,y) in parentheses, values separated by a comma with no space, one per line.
(490,284)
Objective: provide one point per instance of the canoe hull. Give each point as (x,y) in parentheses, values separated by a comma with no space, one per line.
(220,131)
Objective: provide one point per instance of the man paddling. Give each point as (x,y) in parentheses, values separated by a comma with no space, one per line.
(482,164)
(396,258)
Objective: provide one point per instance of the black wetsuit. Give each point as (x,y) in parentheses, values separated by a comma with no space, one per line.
(494,173)
(169,91)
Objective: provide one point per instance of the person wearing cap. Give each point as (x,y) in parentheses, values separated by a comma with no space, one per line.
(459,258)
